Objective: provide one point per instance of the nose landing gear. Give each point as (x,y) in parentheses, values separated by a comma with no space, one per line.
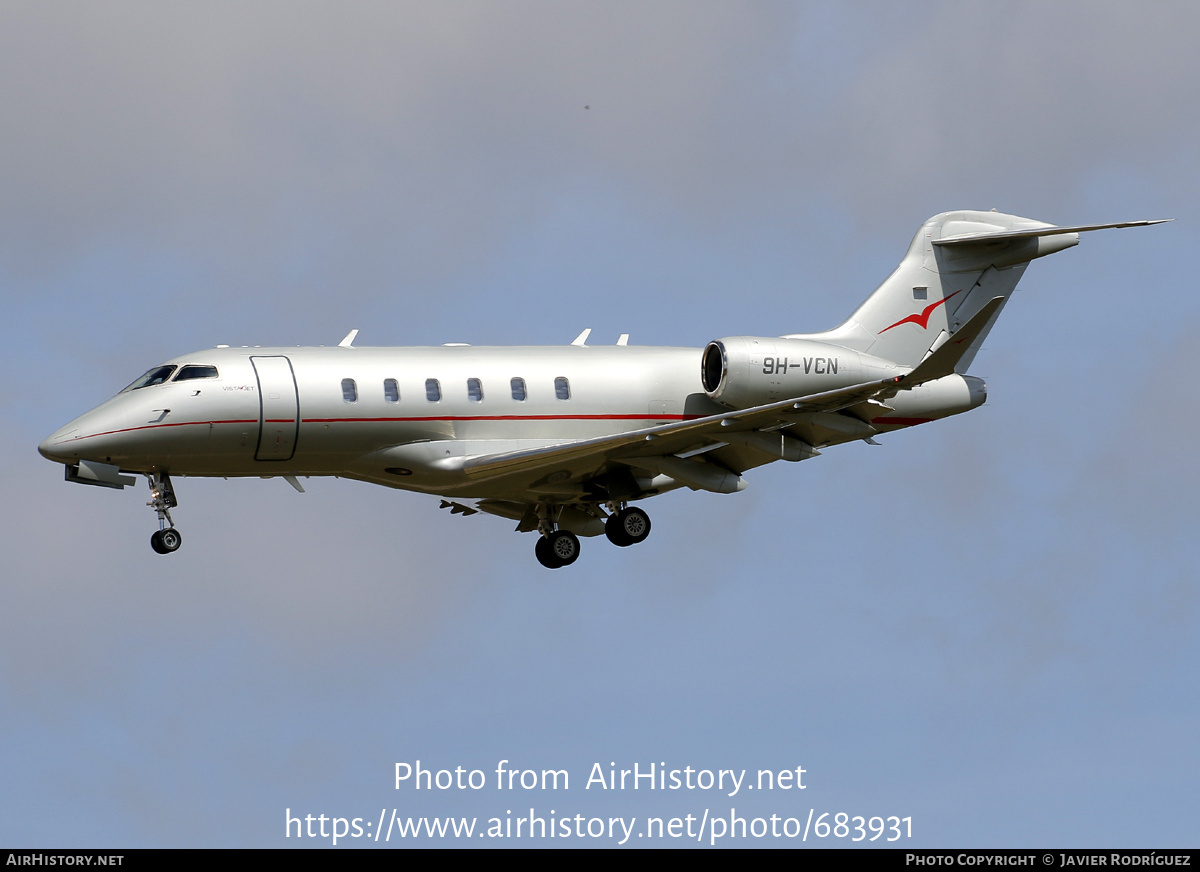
(165,540)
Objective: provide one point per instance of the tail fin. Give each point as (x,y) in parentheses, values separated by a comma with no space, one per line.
(958,264)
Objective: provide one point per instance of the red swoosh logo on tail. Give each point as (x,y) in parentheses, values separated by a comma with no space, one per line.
(921,320)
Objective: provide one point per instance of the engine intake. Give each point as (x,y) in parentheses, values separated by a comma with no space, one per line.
(744,371)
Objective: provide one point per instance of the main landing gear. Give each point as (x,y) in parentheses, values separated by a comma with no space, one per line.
(557,548)
(165,540)
(560,548)
(627,527)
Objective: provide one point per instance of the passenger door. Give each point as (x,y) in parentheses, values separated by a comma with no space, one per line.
(278,408)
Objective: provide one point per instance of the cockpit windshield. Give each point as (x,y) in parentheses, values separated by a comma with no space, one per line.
(156,376)
(195,370)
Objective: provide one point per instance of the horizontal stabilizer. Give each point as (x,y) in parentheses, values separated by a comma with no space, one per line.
(943,360)
(1007,235)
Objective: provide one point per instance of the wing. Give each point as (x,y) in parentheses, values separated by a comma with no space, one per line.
(653,447)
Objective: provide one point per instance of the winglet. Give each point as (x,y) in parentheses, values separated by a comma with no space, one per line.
(348,342)
(581,339)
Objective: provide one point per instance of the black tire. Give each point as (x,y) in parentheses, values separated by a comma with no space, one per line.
(564,545)
(170,540)
(627,527)
(166,541)
(544,555)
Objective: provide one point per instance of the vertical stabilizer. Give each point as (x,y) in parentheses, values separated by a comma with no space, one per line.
(957,263)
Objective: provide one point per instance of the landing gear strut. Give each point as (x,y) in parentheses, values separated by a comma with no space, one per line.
(162,499)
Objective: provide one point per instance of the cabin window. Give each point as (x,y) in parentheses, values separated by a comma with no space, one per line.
(349,390)
(518,389)
(391,390)
(474,390)
(156,376)
(196,371)
(562,388)
(433,390)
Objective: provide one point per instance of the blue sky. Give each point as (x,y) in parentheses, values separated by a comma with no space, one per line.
(987,624)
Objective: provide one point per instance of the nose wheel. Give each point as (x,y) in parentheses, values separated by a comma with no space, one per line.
(166,540)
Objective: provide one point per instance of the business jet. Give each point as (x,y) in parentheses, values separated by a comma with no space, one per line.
(563,440)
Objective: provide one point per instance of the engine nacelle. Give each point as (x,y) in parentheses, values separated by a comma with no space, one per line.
(948,395)
(744,371)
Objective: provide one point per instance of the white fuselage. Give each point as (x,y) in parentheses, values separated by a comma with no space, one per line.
(286,411)
(396,416)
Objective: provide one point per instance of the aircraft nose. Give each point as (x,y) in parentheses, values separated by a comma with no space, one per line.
(53,447)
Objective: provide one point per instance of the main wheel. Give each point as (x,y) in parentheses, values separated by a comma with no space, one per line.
(544,555)
(627,527)
(166,541)
(565,546)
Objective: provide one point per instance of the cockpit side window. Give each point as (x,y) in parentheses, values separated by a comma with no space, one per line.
(156,376)
(196,371)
